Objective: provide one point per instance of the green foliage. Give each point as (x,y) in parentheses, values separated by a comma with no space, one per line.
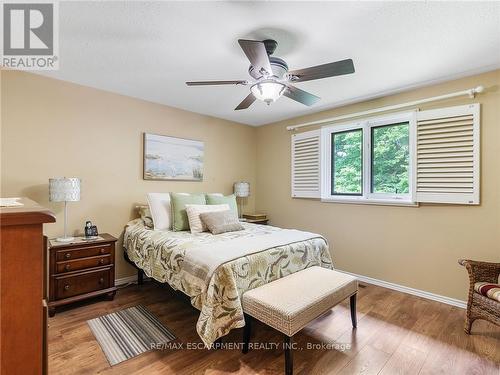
(347,162)
(390,160)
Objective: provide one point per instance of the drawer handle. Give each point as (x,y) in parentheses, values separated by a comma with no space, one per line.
(66,287)
(101,280)
(103,251)
(67,267)
(68,255)
(101,261)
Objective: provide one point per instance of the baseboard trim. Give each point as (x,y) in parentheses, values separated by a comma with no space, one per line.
(366,279)
(408,290)
(126,280)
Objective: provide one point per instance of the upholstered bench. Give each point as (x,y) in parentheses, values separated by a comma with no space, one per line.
(290,303)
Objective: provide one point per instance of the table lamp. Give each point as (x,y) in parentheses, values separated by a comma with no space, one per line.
(64,189)
(241,190)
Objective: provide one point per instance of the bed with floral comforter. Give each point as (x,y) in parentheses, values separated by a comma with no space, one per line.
(164,256)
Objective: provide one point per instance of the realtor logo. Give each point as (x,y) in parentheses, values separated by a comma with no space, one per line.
(30,36)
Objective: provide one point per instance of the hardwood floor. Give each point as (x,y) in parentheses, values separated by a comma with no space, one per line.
(397,334)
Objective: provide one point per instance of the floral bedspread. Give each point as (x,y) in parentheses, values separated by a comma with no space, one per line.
(160,254)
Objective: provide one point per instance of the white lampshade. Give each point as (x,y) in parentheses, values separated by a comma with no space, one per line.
(64,189)
(242,189)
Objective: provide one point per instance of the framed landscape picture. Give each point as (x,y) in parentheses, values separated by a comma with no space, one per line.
(170,158)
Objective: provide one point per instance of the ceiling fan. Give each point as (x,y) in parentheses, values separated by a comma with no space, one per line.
(272,78)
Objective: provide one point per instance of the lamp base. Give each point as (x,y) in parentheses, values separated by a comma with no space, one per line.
(65,239)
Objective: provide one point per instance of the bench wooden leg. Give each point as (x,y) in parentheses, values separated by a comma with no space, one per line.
(247,330)
(218,344)
(288,342)
(353,311)
(140,277)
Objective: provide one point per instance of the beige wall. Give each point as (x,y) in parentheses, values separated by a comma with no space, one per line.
(415,247)
(53,128)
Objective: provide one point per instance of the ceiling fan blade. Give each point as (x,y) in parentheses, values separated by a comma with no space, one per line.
(300,96)
(210,83)
(247,102)
(256,53)
(337,68)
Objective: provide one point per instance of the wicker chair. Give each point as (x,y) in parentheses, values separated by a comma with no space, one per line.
(479,306)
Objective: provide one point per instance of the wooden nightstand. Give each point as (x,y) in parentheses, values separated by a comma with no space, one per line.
(80,270)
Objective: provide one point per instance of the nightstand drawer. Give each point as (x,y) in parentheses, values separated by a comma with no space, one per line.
(83,263)
(83,252)
(68,286)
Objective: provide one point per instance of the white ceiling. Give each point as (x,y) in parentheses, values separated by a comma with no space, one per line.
(148,50)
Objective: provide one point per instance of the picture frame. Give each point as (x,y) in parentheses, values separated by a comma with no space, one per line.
(172,158)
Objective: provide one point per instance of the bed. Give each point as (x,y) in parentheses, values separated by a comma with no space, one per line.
(215,270)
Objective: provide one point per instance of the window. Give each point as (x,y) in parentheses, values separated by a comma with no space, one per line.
(347,162)
(369,161)
(430,156)
(390,158)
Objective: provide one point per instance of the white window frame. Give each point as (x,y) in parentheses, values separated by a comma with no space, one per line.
(367,196)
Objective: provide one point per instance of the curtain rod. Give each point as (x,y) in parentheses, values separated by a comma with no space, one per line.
(470,93)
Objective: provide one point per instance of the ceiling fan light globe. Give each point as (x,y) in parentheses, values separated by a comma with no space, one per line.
(268,91)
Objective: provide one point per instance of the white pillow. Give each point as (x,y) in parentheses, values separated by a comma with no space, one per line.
(193,213)
(159,205)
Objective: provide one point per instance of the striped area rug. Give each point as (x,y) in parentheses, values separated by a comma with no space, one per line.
(127,333)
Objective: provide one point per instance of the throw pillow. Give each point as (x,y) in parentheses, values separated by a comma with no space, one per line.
(228,199)
(193,213)
(221,222)
(146,217)
(178,202)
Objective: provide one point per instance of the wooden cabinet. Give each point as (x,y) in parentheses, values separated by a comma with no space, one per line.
(23,309)
(81,270)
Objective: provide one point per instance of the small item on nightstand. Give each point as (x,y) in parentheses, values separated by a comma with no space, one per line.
(256,218)
(90,230)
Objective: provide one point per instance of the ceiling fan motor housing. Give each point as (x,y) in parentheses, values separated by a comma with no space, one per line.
(279,67)
(270,45)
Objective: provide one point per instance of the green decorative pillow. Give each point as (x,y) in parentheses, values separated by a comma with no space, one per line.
(178,203)
(228,199)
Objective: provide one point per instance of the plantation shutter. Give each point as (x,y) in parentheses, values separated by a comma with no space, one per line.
(447,160)
(306,164)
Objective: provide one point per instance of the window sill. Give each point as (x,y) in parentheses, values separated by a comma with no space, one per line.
(378,202)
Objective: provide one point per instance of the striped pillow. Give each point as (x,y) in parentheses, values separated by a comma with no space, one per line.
(193,212)
(488,290)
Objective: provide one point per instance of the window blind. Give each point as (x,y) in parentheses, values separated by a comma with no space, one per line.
(447,160)
(306,164)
